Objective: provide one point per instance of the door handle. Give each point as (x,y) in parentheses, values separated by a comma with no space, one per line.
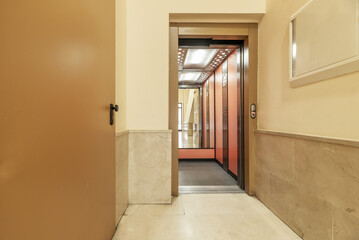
(112,109)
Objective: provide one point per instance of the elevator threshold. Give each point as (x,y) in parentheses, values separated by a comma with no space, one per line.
(209,189)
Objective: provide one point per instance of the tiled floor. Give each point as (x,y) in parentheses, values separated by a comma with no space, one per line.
(203,217)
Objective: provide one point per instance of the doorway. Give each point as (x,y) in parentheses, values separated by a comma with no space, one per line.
(208,75)
(246,89)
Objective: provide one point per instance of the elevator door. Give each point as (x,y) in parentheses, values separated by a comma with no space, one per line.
(240,117)
(225,113)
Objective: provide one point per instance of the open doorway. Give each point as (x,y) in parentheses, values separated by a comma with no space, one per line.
(210,79)
(238,64)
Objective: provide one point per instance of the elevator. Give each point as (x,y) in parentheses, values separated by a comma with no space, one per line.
(210,67)
(218,65)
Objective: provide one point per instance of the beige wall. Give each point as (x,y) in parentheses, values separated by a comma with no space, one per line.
(144,43)
(121,54)
(323,109)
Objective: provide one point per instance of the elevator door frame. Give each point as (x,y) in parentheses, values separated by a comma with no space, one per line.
(240,118)
(237,31)
(225,115)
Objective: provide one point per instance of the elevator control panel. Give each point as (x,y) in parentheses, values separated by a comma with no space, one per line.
(253,111)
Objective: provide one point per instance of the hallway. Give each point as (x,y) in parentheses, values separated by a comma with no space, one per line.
(203,217)
(179,120)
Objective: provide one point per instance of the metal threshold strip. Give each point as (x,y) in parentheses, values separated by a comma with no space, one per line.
(209,189)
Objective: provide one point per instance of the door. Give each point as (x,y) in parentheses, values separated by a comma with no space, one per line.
(240,117)
(225,113)
(57,156)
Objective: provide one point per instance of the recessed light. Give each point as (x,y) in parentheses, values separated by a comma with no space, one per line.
(199,58)
(190,76)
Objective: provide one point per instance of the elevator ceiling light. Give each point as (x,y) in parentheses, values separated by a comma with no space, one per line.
(190,76)
(199,58)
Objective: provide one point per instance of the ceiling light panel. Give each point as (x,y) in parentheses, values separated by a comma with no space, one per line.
(199,58)
(181,56)
(219,58)
(190,76)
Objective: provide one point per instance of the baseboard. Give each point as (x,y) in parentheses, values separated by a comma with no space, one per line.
(229,171)
(219,163)
(196,159)
(233,175)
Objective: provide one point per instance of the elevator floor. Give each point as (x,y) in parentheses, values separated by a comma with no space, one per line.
(205,177)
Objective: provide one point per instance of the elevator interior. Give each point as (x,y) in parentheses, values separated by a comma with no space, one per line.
(210,119)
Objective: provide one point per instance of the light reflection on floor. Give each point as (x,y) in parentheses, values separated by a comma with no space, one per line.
(185,141)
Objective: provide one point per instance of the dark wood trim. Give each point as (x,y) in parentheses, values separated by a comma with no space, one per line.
(197,148)
(173,105)
(233,175)
(214,109)
(208,115)
(225,120)
(219,163)
(197,159)
(240,119)
(200,117)
(229,171)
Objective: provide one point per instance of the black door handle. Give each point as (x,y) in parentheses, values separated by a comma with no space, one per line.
(112,108)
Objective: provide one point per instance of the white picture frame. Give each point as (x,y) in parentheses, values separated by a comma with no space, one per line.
(331,70)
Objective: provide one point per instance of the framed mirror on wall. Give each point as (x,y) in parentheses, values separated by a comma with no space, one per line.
(189,118)
(313,33)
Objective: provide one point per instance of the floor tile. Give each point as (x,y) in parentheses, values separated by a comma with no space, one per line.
(214,204)
(203,217)
(176,208)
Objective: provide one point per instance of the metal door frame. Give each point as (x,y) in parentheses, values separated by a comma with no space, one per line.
(217,28)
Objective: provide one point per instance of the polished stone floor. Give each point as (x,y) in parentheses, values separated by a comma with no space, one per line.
(185,141)
(203,217)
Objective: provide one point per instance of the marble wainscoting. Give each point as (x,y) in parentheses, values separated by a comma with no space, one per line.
(121,174)
(149,166)
(310,183)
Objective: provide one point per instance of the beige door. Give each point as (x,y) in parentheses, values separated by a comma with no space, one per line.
(57,77)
